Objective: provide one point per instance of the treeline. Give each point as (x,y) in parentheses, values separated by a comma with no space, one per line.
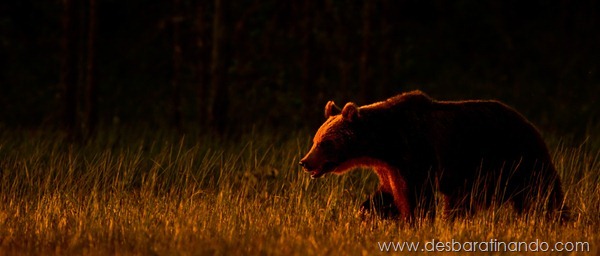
(226,65)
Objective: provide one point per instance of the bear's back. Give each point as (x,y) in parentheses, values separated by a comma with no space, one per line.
(407,100)
(469,127)
(486,128)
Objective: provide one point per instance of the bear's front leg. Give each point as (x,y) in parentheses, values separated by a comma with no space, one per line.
(380,204)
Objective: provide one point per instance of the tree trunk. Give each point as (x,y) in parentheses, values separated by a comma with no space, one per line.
(217,100)
(306,61)
(385,58)
(177,18)
(68,76)
(364,71)
(91,98)
(77,80)
(201,58)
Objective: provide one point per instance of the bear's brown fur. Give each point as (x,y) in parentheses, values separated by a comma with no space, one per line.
(474,153)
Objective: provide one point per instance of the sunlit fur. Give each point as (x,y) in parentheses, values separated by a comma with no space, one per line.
(419,146)
(390,179)
(333,131)
(329,129)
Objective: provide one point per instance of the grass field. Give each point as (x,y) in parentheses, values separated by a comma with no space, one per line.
(151,193)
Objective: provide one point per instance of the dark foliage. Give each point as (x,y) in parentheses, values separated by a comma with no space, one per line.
(278,62)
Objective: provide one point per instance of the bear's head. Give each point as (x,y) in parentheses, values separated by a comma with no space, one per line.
(335,142)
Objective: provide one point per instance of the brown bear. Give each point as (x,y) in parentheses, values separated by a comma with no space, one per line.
(474,152)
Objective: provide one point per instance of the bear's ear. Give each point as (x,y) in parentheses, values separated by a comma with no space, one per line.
(331,109)
(350,112)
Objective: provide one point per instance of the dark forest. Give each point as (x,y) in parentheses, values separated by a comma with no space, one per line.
(178,127)
(232,65)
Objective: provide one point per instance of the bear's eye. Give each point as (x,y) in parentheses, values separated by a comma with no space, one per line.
(326,145)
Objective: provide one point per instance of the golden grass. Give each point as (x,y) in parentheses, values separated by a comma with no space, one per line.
(155,194)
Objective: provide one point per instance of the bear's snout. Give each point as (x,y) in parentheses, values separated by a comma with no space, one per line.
(303,164)
(306,165)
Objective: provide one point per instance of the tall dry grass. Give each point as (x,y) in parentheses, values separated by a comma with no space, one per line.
(153,193)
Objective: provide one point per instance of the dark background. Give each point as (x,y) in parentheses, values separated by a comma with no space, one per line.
(235,65)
